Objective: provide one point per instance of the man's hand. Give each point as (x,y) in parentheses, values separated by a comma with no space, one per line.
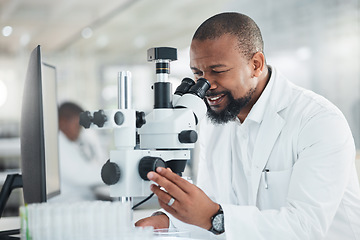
(158,222)
(191,204)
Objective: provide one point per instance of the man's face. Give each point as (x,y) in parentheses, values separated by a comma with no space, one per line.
(229,73)
(70,127)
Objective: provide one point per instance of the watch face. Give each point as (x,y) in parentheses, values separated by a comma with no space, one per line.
(218,222)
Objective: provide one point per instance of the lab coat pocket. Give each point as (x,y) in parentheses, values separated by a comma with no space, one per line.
(273,189)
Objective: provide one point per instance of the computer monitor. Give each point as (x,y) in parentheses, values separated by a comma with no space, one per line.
(40,178)
(39,132)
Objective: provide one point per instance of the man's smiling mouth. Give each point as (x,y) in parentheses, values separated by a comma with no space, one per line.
(215,100)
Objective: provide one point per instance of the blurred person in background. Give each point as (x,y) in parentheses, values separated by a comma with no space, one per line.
(80,155)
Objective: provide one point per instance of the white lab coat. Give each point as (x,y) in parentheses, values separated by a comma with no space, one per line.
(79,174)
(313,190)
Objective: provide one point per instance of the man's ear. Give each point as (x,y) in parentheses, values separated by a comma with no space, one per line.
(258,61)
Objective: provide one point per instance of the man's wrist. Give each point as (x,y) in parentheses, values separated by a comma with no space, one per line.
(217,222)
(214,209)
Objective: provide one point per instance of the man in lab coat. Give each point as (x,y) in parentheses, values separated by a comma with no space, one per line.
(277,161)
(80,157)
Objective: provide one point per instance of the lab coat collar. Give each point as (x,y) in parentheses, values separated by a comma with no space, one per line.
(270,128)
(280,92)
(257,111)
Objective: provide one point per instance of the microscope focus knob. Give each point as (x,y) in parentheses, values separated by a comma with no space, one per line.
(110,173)
(140,119)
(148,164)
(99,118)
(188,136)
(85,119)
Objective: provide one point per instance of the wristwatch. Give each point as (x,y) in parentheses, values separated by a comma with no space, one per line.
(217,222)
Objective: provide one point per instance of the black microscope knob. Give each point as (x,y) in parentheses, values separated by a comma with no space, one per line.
(140,119)
(110,173)
(119,118)
(188,136)
(100,118)
(148,164)
(85,119)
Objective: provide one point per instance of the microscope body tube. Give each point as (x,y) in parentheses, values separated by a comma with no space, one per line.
(162,96)
(162,70)
(162,88)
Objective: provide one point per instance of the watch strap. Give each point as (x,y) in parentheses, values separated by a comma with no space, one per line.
(213,228)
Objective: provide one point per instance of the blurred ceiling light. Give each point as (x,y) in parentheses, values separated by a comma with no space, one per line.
(3,93)
(102,41)
(87,33)
(24,39)
(7,31)
(304,53)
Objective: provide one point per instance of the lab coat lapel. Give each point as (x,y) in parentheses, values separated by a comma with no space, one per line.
(271,127)
(269,131)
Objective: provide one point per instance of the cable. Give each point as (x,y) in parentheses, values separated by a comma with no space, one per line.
(146,199)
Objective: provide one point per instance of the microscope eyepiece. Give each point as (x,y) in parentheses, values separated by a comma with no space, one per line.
(184,87)
(200,88)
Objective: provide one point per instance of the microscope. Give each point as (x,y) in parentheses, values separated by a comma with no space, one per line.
(162,138)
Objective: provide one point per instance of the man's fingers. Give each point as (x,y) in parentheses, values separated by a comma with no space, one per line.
(162,196)
(167,208)
(173,177)
(168,185)
(158,222)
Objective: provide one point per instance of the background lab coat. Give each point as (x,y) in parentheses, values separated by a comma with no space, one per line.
(79,172)
(313,189)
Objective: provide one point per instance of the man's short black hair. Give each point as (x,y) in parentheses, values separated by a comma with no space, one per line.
(237,24)
(69,109)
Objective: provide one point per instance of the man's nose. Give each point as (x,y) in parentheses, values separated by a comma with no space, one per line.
(212,83)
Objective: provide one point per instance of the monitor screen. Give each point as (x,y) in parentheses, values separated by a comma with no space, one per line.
(39,132)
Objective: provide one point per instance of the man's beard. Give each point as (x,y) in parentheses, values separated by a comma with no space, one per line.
(231,110)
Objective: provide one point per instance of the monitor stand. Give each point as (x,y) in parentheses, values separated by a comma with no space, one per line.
(12,182)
